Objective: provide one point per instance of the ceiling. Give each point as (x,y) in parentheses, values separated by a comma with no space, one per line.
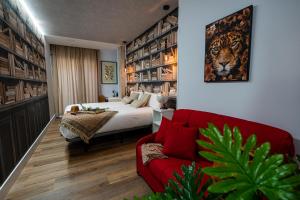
(109,21)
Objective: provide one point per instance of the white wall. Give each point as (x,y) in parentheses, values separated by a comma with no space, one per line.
(272,96)
(107,55)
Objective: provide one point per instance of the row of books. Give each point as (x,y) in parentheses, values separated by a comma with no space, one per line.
(161,27)
(168,73)
(11,17)
(166,42)
(12,66)
(162,58)
(11,93)
(24,50)
(165,89)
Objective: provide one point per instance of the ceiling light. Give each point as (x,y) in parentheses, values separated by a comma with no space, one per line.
(30,14)
(166,7)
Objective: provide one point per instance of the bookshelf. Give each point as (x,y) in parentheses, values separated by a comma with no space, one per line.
(151,58)
(24,109)
(22,60)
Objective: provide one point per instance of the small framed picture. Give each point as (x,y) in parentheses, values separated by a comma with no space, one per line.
(109,73)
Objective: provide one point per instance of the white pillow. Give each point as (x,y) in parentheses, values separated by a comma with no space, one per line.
(140,94)
(153,101)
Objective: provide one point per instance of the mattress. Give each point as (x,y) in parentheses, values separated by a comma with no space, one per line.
(126,118)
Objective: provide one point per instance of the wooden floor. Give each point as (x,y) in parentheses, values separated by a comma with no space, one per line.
(58,170)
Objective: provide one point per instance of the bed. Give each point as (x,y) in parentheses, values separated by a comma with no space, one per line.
(127,118)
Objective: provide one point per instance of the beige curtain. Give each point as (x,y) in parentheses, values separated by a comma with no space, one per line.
(122,77)
(74,76)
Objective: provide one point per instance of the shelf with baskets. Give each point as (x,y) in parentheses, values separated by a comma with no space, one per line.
(151,58)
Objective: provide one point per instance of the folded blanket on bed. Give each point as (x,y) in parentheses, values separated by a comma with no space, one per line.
(86,125)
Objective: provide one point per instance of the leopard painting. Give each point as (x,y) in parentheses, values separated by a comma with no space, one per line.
(228,46)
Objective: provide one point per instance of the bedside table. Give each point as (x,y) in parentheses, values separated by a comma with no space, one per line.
(114,99)
(157,117)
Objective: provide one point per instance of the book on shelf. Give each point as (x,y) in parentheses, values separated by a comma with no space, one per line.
(154,76)
(146,51)
(19,48)
(19,69)
(172,39)
(4,66)
(4,36)
(21,27)
(31,72)
(10,94)
(139,65)
(12,18)
(165,27)
(173,20)
(153,47)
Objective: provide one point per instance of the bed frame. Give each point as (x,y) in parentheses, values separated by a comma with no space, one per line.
(116,132)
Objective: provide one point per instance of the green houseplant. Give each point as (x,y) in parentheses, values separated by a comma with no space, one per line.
(185,187)
(244,177)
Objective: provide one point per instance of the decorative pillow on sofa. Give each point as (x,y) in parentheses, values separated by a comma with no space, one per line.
(127,100)
(141,102)
(180,142)
(164,126)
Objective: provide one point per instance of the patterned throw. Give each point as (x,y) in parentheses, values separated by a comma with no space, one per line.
(151,151)
(86,125)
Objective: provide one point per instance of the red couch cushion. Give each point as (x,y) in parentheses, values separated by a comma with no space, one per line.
(164,126)
(180,142)
(163,169)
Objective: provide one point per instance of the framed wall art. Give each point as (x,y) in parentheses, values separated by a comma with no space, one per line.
(109,74)
(227,47)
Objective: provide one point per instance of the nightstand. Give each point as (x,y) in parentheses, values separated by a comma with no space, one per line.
(114,99)
(157,117)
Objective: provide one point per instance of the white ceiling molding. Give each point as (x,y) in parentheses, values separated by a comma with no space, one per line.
(74,42)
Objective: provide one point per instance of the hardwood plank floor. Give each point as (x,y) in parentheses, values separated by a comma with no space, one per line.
(59,170)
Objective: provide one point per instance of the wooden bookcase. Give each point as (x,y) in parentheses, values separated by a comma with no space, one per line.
(24,110)
(151,58)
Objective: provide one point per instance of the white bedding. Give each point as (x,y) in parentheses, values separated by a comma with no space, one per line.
(127,117)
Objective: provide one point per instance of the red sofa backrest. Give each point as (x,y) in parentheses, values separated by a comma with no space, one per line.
(281,141)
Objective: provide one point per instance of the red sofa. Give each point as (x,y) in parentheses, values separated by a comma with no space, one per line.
(159,171)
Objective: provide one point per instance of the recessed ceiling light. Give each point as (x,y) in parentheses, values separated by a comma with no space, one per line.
(166,7)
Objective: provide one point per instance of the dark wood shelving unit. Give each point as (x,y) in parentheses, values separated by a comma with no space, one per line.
(24,108)
(151,58)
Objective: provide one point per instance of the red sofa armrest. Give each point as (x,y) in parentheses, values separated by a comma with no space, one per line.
(139,163)
(146,139)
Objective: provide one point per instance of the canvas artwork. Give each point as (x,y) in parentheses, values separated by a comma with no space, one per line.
(227,47)
(109,72)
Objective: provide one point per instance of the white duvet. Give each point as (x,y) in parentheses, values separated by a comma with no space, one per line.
(127,117)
